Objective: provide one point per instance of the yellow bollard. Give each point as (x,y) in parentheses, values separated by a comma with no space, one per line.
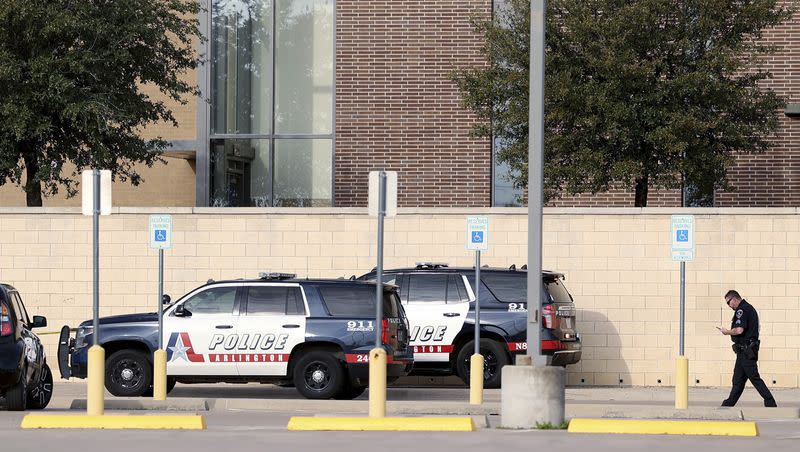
(476,379)
(160,375)
(682,383)
(95,397)
(377,382)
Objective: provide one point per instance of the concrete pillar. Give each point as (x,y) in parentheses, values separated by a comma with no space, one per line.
(532,395)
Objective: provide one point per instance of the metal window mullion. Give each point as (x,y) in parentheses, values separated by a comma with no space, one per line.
(273,97)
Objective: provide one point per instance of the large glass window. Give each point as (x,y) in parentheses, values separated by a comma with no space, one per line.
(271,103)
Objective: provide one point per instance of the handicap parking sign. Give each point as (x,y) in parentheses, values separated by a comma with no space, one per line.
(477,233)
(682,238)
(682,235)
(160,232)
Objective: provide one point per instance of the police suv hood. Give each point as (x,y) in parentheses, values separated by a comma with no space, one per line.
(125,318)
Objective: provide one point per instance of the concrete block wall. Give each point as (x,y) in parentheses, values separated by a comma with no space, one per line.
(617,263)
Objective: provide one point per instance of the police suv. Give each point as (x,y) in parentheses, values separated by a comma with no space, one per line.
(316,334)
(440,304)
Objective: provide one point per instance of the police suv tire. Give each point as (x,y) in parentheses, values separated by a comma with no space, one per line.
(318,375)
(494,357)
(41,391)
(350,392)
(17,395)
(128,374)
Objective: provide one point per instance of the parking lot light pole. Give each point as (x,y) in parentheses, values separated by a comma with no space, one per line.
(377,356)
(96,373)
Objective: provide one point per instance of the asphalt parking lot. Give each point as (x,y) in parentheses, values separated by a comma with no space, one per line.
(255,416)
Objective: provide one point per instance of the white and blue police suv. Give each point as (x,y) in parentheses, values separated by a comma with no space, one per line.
(314,333)
(440,304)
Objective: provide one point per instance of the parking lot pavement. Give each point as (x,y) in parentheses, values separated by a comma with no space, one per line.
(248,430)
(632,403)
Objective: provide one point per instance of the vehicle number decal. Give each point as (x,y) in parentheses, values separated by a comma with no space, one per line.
(360,325)
(517,307)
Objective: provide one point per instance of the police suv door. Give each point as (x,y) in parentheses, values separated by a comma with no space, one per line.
(436,305)
(272,323)
(199,341)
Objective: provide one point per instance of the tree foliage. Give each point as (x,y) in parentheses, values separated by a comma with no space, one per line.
(71,78)
(639,93)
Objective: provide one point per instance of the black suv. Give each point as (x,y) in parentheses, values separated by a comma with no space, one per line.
(440,304)
(313,333)
(25,379)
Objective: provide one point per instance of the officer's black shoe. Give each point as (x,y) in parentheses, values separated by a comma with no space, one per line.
(770,404)
(726,404)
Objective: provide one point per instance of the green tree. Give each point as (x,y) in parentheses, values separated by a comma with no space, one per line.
(71,79)
(639,93)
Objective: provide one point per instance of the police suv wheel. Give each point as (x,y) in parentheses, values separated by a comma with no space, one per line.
(41,391)
(16,396)
(128,373)
(318,375)
(494,358)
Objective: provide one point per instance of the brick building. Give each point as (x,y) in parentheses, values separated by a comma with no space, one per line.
(305,97)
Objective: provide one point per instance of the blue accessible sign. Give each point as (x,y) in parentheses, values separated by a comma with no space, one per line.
(161,232)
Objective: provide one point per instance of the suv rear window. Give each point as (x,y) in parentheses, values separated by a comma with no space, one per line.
(558,293)
(356,301)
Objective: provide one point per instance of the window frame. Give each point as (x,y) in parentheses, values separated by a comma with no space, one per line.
(203,128)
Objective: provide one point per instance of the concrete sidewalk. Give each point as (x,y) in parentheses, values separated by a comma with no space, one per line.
(598,402)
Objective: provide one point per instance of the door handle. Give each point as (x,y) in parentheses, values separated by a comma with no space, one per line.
(451,314)
(224,327)
(291,325)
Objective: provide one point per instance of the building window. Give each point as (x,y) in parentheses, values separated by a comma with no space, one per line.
(271,103)
(504,192)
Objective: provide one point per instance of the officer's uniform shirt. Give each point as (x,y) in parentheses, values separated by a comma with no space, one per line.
(745,317)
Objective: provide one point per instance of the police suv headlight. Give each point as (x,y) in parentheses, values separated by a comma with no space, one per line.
(83,333)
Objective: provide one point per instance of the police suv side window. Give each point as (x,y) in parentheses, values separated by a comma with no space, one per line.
(266,300)
(217,300)
(424,288)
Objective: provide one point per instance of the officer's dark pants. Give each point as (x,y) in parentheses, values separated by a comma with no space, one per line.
(747,369)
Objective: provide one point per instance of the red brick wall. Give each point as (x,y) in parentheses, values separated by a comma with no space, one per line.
(773,178)
(396,107)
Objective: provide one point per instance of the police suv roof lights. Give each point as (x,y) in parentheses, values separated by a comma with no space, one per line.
(276,275)
(431,265)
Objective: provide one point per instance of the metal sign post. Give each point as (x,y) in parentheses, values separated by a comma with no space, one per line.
(477,240)
(96,186)
(381,205)
(160,238)
(682,232)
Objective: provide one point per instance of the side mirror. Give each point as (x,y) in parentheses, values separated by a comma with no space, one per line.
(166,299)
(39,321)
(180,311)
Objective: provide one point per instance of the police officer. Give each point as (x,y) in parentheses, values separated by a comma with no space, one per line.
(744,334)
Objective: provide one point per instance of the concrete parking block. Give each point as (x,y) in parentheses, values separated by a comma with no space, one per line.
(156,422)
(399,424)
(649,427)
(187,404)
(753,413)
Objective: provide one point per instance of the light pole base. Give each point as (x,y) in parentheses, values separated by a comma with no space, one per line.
(95,388)
(377,382)
(532,395)
(682,383)
(160,375)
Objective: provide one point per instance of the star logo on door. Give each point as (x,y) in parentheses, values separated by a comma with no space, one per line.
(179,346)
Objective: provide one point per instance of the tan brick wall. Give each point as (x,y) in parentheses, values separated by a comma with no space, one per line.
(616,261)
(171,184)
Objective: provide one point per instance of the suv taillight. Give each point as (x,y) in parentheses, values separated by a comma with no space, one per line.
(549,316)
(5,320)
(384,331)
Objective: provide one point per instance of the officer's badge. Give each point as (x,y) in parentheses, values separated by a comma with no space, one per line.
(738,322)
(739,314)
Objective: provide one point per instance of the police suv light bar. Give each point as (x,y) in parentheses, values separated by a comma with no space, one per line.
(431,264)
(276,275)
